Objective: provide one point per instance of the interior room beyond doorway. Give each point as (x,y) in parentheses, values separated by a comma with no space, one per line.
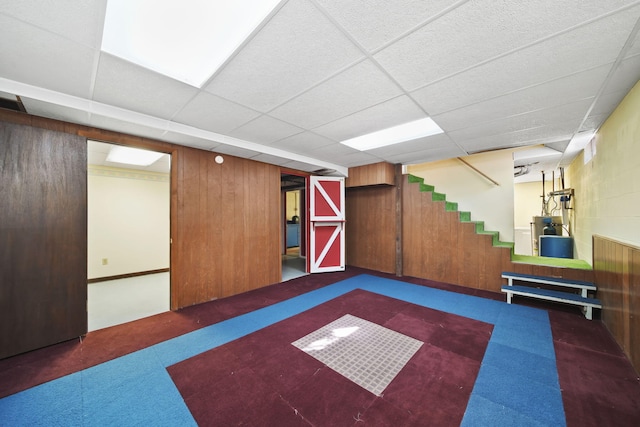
(128,236)
(293,247)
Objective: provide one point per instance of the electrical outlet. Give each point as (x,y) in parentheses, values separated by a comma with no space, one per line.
(105,261)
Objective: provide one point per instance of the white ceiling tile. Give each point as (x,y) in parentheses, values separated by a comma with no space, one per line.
(625,76)
(441,48)
(421,144)
(536,153)
(540,135)
(301,166)
(210,112)
(37,57)
(57,112)
(123,126)
(272,160)
(302,142)
(560,56)
(296,49)
(189,141)
(425,156)
(594,121)
(519,122)
(235,151)
(265,130)
(374,23)
(334,151)
(387,114)
(80,21)
(564,90)
(355,89)
(608,102)
(635,46)
(359,159)
(134,88)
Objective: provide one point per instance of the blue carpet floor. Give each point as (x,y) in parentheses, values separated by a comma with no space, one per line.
(517,384)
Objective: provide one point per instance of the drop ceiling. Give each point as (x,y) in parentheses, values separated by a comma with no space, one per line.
(493,74)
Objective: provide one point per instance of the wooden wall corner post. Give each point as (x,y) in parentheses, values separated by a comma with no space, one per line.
(398,185)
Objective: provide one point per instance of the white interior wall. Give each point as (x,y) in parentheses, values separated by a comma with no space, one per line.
(487,202)
(128,221)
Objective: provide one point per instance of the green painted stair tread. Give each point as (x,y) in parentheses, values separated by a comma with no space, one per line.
(453,207)
(414,179)
(553,262)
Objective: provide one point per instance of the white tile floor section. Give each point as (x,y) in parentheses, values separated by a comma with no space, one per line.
(367,354)
(119,301)
(292,267)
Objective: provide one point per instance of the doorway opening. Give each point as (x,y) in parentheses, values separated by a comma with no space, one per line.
(128,257)
(294,236)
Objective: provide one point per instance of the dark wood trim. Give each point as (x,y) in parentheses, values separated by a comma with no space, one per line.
(128,275)
(398,182)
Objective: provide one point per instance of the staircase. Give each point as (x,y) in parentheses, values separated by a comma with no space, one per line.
(444,244)
(465,217)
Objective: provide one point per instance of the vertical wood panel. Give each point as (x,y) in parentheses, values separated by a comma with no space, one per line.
(634,308)
(43,238)
(374,174)
(371,228)
(469,254)
(617,275)
(229,227)
(411,248)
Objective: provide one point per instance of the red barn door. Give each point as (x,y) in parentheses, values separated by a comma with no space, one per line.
(327,221)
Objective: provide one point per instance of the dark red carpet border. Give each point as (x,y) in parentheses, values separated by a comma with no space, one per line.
(262,379)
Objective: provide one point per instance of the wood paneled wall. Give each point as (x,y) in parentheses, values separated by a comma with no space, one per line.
(226,238)
(617,275)
(371,228)
(225,219)
(43,237)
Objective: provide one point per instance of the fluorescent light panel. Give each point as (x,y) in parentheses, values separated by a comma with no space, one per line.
(394,135)
(187,40)
(133,156)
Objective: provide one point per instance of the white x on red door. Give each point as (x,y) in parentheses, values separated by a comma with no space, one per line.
(327,221)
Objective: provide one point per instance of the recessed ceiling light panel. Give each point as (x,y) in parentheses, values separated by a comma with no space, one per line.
(133,156)
(187,40)
(394,135)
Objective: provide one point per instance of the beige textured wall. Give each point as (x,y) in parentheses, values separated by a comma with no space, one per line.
(607,199)
(486,201)
(128,221)
(293,203)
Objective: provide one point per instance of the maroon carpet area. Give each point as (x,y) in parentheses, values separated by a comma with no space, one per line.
(262,379)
